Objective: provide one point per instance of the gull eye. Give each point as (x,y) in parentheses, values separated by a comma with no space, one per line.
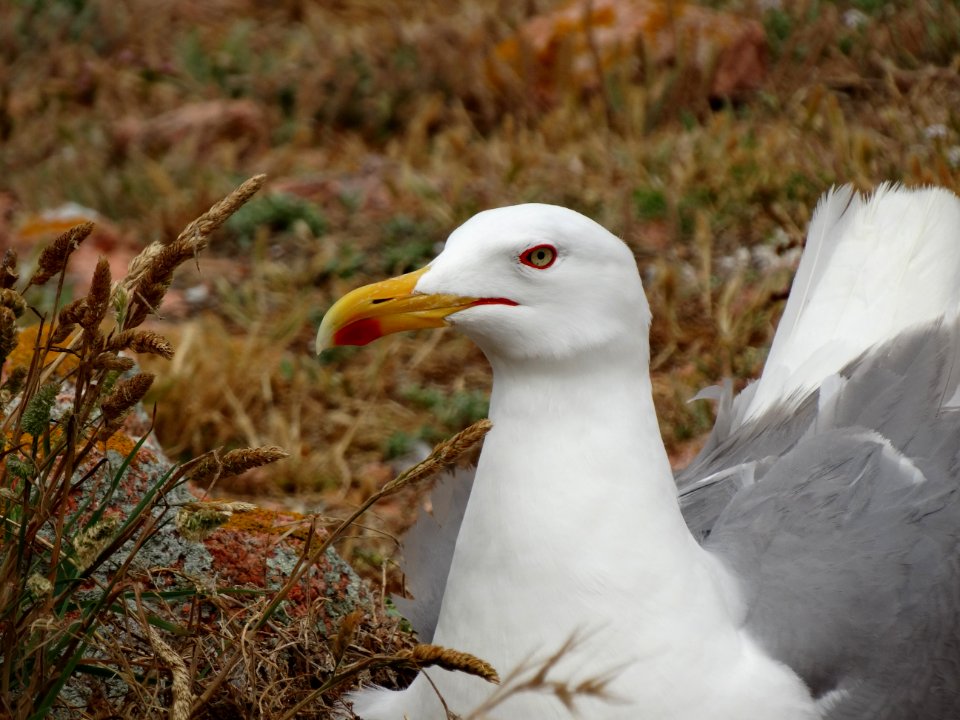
(540,256)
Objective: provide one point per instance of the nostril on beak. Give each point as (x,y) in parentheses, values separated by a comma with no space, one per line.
(377,301)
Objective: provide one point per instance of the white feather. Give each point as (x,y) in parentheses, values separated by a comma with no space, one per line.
(872,268)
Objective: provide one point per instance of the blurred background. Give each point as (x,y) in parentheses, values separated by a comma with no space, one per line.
(702,134)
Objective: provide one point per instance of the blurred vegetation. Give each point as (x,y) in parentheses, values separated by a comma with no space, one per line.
(380,131)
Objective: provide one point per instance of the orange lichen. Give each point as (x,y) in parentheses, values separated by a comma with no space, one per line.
(120,442)
(26,440)
(270,522)
(22,354)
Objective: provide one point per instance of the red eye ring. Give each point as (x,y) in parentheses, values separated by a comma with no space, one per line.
(539,257)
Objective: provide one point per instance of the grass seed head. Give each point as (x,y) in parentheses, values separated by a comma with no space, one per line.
(158,273)
(12,385)
(150,276)
(196,233)
(239,461)
(72,312)
(120,300)
(151,272)
(92,539)
(112,361)
(67,319)
(142,341)
(197,524)
(8,269)
(196,521)
(422,656)
(213,466)
(125,395)
(54,257)
(61,333)
(444,456)
(345,634)
(20,467)
(12,299)
(8,332)
(36,416)
(98,299)
(39,586)
(180,690)
(204,468)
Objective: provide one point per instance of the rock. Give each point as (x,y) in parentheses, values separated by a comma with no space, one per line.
(254,549)
(202,590)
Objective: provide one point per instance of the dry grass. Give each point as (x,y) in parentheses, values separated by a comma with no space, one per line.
(62,402)
(380,115)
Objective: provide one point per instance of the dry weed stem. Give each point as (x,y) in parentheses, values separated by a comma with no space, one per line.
(181,686)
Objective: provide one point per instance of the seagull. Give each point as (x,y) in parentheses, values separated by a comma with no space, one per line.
(805,565)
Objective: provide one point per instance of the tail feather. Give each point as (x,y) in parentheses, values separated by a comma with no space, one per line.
(872,268)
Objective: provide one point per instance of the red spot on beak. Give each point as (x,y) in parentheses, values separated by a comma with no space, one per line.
(493,301)
(359,332)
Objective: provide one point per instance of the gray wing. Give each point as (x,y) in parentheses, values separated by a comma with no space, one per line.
(428,551)
(732,460)
(737,453)
(847,545)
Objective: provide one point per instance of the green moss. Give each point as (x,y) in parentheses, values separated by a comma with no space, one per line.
(277,213)
(399,443)
(651,203)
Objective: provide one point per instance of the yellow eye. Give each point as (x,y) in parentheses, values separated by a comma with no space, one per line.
(540,256)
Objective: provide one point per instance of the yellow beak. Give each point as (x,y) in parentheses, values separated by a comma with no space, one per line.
(372,311)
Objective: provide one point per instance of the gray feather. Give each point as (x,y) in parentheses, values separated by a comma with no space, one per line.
(428,551)
(733,460)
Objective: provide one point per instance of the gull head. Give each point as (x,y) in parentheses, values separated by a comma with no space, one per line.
(523,282)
